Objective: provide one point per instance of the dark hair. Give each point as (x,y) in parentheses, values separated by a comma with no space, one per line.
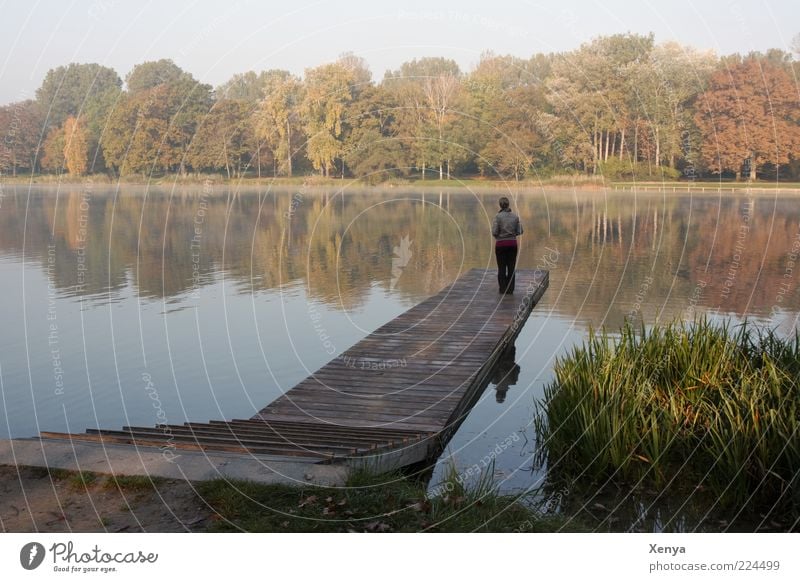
(503,202)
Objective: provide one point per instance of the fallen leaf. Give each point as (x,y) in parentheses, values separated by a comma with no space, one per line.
(308,501)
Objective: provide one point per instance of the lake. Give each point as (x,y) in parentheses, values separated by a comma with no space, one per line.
(134,306)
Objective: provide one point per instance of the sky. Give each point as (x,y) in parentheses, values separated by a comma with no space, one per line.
(214,40)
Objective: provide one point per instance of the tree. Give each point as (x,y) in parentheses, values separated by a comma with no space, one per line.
(151,74)
(749,116)
(662,89)
(72,89)
(371,149)
(225,139)
(154,123)
(328,89)
(20,131)
(428,89)
(277,121)
(247,87)
(76,149)
(507,95)
(515,141)
(86,90)
(52,159)
(360,75)
(590,88)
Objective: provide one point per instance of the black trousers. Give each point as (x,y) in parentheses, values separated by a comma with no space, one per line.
(506,261)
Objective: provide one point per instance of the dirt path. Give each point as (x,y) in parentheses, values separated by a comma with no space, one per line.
(33,499)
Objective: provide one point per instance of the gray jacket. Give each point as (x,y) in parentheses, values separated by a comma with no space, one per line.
(506,225)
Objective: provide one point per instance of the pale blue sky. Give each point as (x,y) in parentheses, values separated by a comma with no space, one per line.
(214,40)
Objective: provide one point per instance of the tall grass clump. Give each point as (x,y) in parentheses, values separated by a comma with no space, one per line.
(695,405)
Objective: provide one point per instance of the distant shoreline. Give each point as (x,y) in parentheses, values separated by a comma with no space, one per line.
(317,182)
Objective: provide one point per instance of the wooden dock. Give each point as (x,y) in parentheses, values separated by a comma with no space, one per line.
(391,400)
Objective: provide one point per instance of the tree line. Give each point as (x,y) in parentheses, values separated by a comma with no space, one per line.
(620,106)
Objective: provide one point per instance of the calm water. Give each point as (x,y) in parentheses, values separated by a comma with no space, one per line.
(142,306)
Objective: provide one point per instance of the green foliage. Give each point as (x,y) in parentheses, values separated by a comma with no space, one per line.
(75,89)
(151,74)
(691,404)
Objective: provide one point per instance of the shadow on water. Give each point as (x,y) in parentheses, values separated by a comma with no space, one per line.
(503,374)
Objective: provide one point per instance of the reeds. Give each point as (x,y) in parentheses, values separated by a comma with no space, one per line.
(689,404)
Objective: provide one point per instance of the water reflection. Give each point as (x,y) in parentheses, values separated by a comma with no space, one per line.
(211,293)
(617,255)
(506,373)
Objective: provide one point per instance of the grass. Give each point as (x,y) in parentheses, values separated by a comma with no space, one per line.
(692,405)
(132,482)
(369,503)
(694,184)
(80,480)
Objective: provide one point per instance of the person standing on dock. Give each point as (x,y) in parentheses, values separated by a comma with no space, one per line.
(506,228)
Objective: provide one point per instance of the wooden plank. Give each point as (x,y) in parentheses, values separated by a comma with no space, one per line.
(410,383)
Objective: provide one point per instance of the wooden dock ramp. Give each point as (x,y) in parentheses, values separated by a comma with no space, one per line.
(391,400)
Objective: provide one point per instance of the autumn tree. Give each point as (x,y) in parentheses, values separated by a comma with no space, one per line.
(249,87)
(590,89)
(371,148)
(428,89)
(749,116)
(154,123)
(328,90)
(277,118)
(225,139)
(86,90)
(507,95)
(20,131)
(76,149)
(52,158)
